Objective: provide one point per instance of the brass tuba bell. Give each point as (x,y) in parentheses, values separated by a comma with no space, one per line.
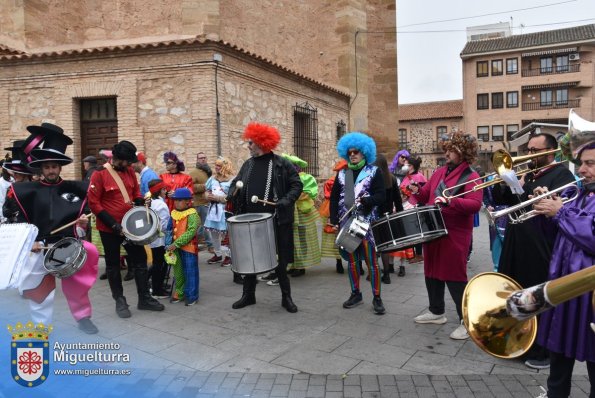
(581,132)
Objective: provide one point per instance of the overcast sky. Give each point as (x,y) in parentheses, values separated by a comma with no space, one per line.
(429,64)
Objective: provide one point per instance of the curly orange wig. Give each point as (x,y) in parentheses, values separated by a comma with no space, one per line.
(265,136)
(464,144)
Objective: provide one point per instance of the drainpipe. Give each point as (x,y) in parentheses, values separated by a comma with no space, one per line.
(217,58)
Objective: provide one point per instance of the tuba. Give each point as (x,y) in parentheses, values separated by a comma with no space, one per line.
(580,131)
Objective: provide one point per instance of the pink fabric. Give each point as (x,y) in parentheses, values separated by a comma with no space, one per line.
(76,287)
(417,178)
(445,258)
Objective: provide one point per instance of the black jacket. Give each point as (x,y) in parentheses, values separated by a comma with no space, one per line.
(287,187)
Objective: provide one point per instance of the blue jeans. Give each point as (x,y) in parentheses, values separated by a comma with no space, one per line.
(191,275)
(203,210)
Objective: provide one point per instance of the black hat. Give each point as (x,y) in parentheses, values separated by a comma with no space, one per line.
(19,159)
(54,145)
(90,159)
(125,150)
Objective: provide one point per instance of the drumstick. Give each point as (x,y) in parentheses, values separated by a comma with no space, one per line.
(266,202)
(147,195)
(68,225)
(347,213)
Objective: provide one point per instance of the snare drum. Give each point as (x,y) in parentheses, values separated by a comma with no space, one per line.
(352,234)
(140,227)
(252,243)
(65,258)
(408,228)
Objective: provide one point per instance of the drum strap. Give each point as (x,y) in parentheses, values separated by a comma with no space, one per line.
(118,181)
(349,189)
(463,178)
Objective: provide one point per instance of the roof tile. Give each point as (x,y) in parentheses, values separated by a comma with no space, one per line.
(431,110)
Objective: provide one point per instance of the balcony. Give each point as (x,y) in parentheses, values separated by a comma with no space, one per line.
(539,106)
(551,70)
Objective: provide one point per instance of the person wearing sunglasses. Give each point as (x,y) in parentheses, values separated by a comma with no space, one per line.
(527,246)
(173,176)
(359,190)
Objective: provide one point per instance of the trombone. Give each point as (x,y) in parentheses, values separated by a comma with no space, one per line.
(524,216)
(502,162)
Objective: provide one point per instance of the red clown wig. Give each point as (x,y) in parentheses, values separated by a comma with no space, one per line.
(265,136)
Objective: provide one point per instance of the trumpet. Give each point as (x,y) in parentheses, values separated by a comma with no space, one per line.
(500,316)
(524,216)
(502,162)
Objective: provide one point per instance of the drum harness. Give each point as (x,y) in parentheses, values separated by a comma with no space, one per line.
(267,188)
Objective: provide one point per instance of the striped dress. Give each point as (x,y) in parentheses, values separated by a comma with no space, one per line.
(305,230)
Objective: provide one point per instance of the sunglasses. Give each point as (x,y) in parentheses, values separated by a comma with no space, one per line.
(170,162)
(353,152)
(201,158)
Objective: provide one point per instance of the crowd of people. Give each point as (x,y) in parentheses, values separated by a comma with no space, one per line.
(193,211)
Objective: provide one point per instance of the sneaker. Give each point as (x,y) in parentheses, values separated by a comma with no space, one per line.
(543,393)
(175,300)
(460,333)
(378,306)
(226,262)
(428,317)
(189,303)
(354,299)
(535,363)
(103,276)
(274,282)
(268,277)
(87,326)
(215,259)
(161,295)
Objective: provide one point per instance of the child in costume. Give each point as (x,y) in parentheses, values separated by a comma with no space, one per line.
(157,188)
(181,239)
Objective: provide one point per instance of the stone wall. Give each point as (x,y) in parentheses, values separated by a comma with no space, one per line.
(167,101)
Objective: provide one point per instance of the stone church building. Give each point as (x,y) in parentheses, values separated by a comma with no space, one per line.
(188,75)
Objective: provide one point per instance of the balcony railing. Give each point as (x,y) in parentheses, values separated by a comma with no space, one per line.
(536,106)
(551,70)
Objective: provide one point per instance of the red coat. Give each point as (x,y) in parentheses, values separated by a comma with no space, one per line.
(104,194)
(174,181)
(446,258)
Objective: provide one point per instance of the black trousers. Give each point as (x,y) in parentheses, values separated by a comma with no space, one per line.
(137,258)
(435,289)
(158,269)
(558,382)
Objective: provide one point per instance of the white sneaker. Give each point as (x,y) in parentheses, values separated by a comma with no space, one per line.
(543,394)
(460,333)
(428,317)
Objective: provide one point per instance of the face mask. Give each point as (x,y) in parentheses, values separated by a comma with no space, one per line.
(405,168)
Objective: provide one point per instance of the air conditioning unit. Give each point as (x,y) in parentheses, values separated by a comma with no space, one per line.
(574,57)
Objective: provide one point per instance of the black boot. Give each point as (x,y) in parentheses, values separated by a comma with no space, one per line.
(122,307)
(248,295)
(401,270)
(286,301)
(340,269)
(378,306)
(353,300)
(386,278)
(145,300)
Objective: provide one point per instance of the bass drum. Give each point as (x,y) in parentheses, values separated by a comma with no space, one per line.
(65,258)
(252,243)
(408,228)
(140,225)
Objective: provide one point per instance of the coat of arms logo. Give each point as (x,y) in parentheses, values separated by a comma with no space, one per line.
(29,353)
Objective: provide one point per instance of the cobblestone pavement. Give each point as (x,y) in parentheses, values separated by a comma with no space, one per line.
(211,350)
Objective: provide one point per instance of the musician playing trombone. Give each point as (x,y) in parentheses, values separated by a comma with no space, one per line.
(564,330)
(445,259)
(527,246)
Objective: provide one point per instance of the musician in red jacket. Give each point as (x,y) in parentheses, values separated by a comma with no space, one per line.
(445,259)
(110,204)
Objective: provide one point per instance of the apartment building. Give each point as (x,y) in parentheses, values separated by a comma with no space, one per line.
(509,82)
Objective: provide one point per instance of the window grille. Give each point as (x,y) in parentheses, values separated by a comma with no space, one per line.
(305,135)
(341,129)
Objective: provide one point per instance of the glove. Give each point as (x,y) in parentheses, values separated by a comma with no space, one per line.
(365,206)
(139,202)
(117,228)
(283,203)
(441,201)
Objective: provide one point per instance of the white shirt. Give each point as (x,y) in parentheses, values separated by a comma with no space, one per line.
(158,206)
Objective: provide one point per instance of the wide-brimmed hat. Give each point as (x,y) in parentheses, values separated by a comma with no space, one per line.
(54,147)
(182,194)
(125,150)
(19,161)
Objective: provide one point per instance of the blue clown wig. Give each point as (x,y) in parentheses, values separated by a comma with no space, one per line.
(364,143)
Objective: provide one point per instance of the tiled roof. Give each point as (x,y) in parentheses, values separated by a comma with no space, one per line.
(431,110)
(121,48)
(9,50)
(528,40)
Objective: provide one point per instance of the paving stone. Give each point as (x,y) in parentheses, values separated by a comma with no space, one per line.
(317,380)
(315,391)
(369,383)
(283,379)
(280,390)
(334,385)
(297,384)
(352,391)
